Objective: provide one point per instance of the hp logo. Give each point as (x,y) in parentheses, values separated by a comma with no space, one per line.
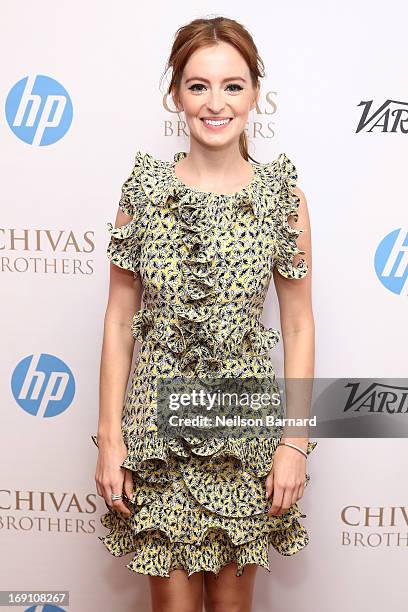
(391,261)
(43,385)
(39,110)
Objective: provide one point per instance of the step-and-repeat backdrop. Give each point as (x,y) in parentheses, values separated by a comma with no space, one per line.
(81,92)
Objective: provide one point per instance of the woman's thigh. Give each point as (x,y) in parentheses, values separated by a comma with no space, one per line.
(228,592)
(179,593)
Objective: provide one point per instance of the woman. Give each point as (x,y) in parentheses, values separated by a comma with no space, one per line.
(202,237)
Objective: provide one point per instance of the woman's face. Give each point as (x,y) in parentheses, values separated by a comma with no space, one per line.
(216,85)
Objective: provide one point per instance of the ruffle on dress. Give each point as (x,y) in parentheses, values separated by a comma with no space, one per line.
(284,203)
(125,243)
(192,329)
(270,194)
(207,500)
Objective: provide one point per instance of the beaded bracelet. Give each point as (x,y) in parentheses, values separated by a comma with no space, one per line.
(293,446)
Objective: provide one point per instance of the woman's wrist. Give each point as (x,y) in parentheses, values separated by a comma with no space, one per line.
(300,442)
(110,436)
(295,447)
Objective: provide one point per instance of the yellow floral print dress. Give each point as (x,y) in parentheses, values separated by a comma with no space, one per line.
(205,261)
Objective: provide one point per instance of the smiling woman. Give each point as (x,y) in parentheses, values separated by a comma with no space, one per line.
(205,235)
(216,89)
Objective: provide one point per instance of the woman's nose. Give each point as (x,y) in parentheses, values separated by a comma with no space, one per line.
(215,103)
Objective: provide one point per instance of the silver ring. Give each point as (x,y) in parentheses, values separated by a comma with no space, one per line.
(115,496)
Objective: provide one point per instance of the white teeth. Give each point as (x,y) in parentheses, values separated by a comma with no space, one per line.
(221,122)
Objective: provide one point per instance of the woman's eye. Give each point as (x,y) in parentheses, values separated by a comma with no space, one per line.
(198,85)
(194,87)
(236,85)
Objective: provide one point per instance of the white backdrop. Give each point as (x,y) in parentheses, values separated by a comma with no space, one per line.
(322,60)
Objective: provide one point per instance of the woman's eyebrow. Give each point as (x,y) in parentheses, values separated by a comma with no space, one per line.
(236,78)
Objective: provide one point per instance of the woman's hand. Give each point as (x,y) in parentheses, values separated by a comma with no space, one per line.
(286,479)
(110,477)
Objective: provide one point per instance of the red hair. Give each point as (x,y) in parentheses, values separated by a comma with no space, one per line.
(201,33)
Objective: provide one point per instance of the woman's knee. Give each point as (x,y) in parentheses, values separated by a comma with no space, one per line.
(225,605)
(179,593)
(229,592)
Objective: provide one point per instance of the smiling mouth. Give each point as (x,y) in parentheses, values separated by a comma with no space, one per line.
(216,122)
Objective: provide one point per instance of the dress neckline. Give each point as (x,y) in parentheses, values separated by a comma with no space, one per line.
(179,183)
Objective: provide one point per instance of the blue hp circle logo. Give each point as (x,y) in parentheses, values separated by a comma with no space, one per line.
(39,110)
(43,385)
(391,261)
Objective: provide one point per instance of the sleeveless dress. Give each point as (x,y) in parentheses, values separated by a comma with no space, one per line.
(206,262)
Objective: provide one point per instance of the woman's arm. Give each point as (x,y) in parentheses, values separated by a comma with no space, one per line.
(124,299)
(297,325)
(287,477)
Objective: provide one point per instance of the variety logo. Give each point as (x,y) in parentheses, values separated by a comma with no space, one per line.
(391,261)
(391,117)
(39,110)
(43,385)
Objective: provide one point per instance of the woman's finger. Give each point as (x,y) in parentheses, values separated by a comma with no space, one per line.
(269,484)
(121,507)
(276,501)
(98,488)
(128,484)
(117,488)
(288,496)
(301,490)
